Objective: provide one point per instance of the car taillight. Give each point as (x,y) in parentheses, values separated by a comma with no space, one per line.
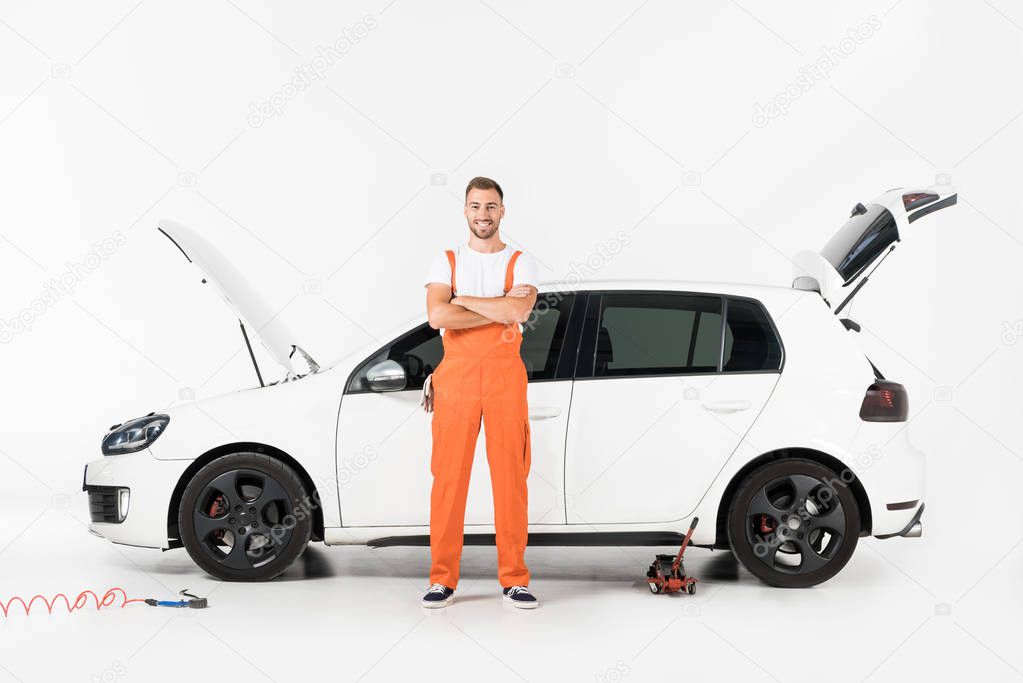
(917,199)
(885,402)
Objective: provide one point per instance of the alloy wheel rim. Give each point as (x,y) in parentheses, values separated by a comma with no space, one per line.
(241,519)
(795,524)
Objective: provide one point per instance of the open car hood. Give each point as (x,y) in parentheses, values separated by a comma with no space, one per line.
(841,268)
(248,305)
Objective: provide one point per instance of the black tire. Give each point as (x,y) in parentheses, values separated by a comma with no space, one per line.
(251,498)
(793,507)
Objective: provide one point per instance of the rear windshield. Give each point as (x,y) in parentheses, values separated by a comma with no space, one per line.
(860,241)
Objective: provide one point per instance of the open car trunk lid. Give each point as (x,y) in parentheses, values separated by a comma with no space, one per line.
(841,268)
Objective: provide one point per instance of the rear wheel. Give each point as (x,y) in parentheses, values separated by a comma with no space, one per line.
(793,523)
(245,517)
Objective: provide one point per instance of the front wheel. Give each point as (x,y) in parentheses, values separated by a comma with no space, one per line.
(245,517)
(793,523)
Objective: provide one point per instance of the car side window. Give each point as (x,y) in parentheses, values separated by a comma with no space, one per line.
(750,341)
(543,335)
(657,333)
(418,352)
(421,350)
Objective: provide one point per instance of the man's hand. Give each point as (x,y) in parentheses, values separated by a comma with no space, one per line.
(516,291)
(444,312)
(503,309)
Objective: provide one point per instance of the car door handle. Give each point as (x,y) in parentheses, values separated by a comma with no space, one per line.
(726,406)
(543,412)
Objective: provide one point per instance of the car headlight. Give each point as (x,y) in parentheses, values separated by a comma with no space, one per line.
(134,435)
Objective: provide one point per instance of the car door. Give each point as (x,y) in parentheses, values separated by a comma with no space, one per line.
(667,384)
(385,441)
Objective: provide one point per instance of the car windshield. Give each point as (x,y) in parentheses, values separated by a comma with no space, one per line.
(862,238)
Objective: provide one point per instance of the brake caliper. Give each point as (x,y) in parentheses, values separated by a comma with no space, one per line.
(218,508)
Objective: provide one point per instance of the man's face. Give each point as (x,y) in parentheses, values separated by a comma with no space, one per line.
(483,211)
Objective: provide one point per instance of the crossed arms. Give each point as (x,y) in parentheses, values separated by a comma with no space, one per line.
(472,311)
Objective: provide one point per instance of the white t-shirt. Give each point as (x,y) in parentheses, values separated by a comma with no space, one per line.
(479,274)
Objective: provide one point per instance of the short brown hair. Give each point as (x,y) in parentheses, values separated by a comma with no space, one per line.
(482,183)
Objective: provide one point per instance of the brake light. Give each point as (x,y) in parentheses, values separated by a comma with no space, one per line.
(885,402)
(914,199)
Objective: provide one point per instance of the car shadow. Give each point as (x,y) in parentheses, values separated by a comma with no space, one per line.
(314,564)
(597,564)
(600,564)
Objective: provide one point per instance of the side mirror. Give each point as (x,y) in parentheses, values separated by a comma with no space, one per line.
(386,376)
(851,324)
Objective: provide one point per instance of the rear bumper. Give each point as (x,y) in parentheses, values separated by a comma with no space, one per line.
(892,471)
(914,529)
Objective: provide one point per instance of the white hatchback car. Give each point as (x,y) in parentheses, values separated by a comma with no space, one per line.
(650,402)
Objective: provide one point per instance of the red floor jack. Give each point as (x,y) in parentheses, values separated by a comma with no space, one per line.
(667,574)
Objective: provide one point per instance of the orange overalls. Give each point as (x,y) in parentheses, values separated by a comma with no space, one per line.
(480,375)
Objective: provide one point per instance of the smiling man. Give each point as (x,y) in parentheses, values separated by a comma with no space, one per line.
(478,296)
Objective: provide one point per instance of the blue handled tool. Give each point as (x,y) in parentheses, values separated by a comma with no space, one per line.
(194,603)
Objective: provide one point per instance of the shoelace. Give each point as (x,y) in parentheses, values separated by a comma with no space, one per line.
(437,588)
(515,590)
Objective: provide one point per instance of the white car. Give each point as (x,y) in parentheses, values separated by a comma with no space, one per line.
(650,402)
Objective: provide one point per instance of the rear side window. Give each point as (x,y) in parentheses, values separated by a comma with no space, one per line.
(657,334)
(860,241)
(750,341)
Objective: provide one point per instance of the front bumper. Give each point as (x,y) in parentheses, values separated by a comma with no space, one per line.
(108,504)
(151,483)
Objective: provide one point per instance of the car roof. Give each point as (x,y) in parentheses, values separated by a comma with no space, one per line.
(699,286)
(773,296)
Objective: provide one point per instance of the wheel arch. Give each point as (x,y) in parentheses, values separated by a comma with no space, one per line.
(173,534)
(829,461)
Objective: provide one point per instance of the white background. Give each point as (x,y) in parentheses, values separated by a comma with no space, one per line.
(596,118)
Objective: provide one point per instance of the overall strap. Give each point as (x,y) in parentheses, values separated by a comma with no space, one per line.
(451,261)
(509,276)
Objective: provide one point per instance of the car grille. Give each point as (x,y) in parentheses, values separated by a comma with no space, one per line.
(103,504)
